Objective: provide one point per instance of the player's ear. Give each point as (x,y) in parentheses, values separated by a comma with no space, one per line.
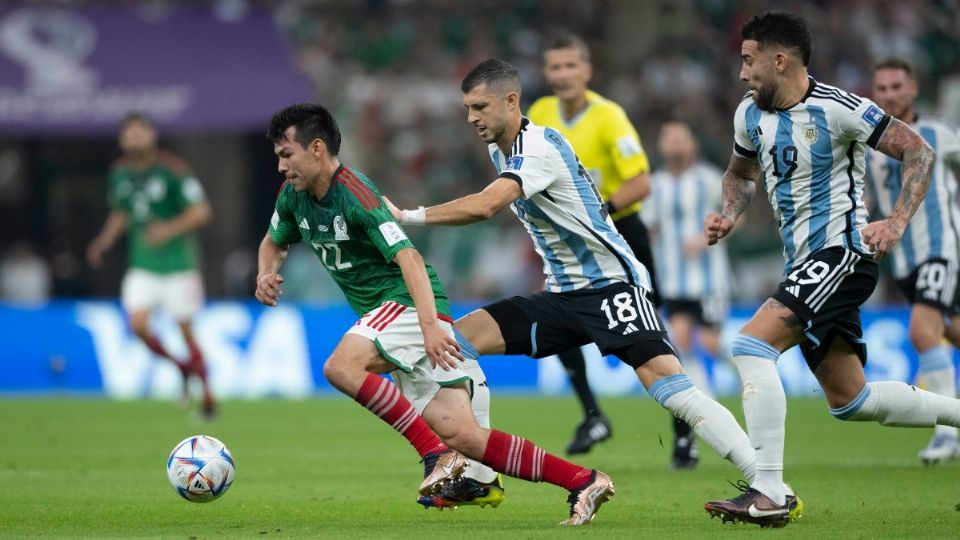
(318,148)
(513,100)
(780,61)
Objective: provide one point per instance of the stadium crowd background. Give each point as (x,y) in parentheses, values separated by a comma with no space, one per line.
(390,71)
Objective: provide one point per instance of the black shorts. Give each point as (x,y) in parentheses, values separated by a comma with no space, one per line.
(826,292)
(710,311)
(933,283)
(616,317)
(632,229)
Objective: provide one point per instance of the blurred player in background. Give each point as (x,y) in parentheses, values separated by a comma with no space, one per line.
(404,327)
(693,280)
(807,140)
(159,203)
(597,291)
(609,147)
(925,260)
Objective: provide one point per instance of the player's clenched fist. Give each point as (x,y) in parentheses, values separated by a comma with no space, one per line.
(716,226)
(268,289)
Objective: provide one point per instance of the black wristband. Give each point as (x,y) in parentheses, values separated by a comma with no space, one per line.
(610,208)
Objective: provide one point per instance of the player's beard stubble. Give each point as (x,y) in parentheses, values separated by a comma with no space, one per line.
(764,97)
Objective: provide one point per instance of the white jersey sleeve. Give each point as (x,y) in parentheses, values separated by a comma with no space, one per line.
(743,145)
(866,123)
(535,167)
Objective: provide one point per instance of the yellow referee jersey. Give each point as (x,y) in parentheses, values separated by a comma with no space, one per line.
(603,138)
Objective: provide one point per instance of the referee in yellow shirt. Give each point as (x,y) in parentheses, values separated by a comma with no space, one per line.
(609,148)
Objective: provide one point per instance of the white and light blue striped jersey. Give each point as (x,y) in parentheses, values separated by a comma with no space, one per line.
(934,230)
(675,212)
(563,212)
(812,158)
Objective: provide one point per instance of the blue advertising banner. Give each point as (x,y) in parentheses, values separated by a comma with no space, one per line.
(79,71)
(253,351)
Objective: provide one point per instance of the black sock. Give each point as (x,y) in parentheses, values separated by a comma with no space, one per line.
(572,360)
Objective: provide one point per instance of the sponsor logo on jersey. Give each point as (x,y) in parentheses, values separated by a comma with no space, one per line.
(392,233)
(340,229)
(810,134)
(304,224)
(873,115)
(323,228)
(514,163)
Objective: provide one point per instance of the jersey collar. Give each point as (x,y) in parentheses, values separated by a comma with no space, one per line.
(810,87)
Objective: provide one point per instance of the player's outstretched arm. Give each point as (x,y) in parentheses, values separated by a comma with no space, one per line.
(739,185)
(270,257)
(465,210)
(442,348)
(115,225)
(902,143)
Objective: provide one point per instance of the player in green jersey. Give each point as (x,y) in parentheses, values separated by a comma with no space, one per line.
(160,204)
(404,325)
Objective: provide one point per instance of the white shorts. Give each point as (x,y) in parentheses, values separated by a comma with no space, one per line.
(395,330)
(180,293)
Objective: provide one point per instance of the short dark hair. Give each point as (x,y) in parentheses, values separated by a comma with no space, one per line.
(495,74)
(566,40)
(780,28)
(312,120)
(894,62)
(135,117)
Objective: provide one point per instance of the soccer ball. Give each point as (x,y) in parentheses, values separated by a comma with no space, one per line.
(200,468)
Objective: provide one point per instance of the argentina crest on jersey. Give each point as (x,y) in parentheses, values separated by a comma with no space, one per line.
(810,133)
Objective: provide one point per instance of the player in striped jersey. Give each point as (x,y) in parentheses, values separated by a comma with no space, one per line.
(694,280)
(925,260)
(807,141)
(597,291)
(609,148)
(404,325)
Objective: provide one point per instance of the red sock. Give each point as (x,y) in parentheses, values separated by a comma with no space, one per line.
(158,349)
(522,459)
(196,360)
(384,399)
(199,368)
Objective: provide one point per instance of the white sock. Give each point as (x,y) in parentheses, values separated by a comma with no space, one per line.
(936,368)
(765,409)
(901,405)
(710,421)
(481,410)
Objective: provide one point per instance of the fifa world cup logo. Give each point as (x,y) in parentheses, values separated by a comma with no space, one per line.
(51,45)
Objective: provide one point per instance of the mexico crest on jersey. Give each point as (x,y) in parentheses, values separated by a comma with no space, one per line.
(340,229)
(810,133)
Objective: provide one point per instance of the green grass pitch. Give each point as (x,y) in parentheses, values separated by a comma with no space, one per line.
(325,468)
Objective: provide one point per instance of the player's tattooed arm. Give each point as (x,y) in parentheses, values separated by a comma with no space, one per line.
(739,185)
(901,142)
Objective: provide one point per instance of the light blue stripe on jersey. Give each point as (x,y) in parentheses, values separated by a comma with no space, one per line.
(784,194)
(678,237)
(706,255)
(895,181)
(556,266)
(591,202)
(932,202)
(591,269)
(821,161)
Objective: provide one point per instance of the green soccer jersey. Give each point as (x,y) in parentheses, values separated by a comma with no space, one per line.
(356,238)
(162,191)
